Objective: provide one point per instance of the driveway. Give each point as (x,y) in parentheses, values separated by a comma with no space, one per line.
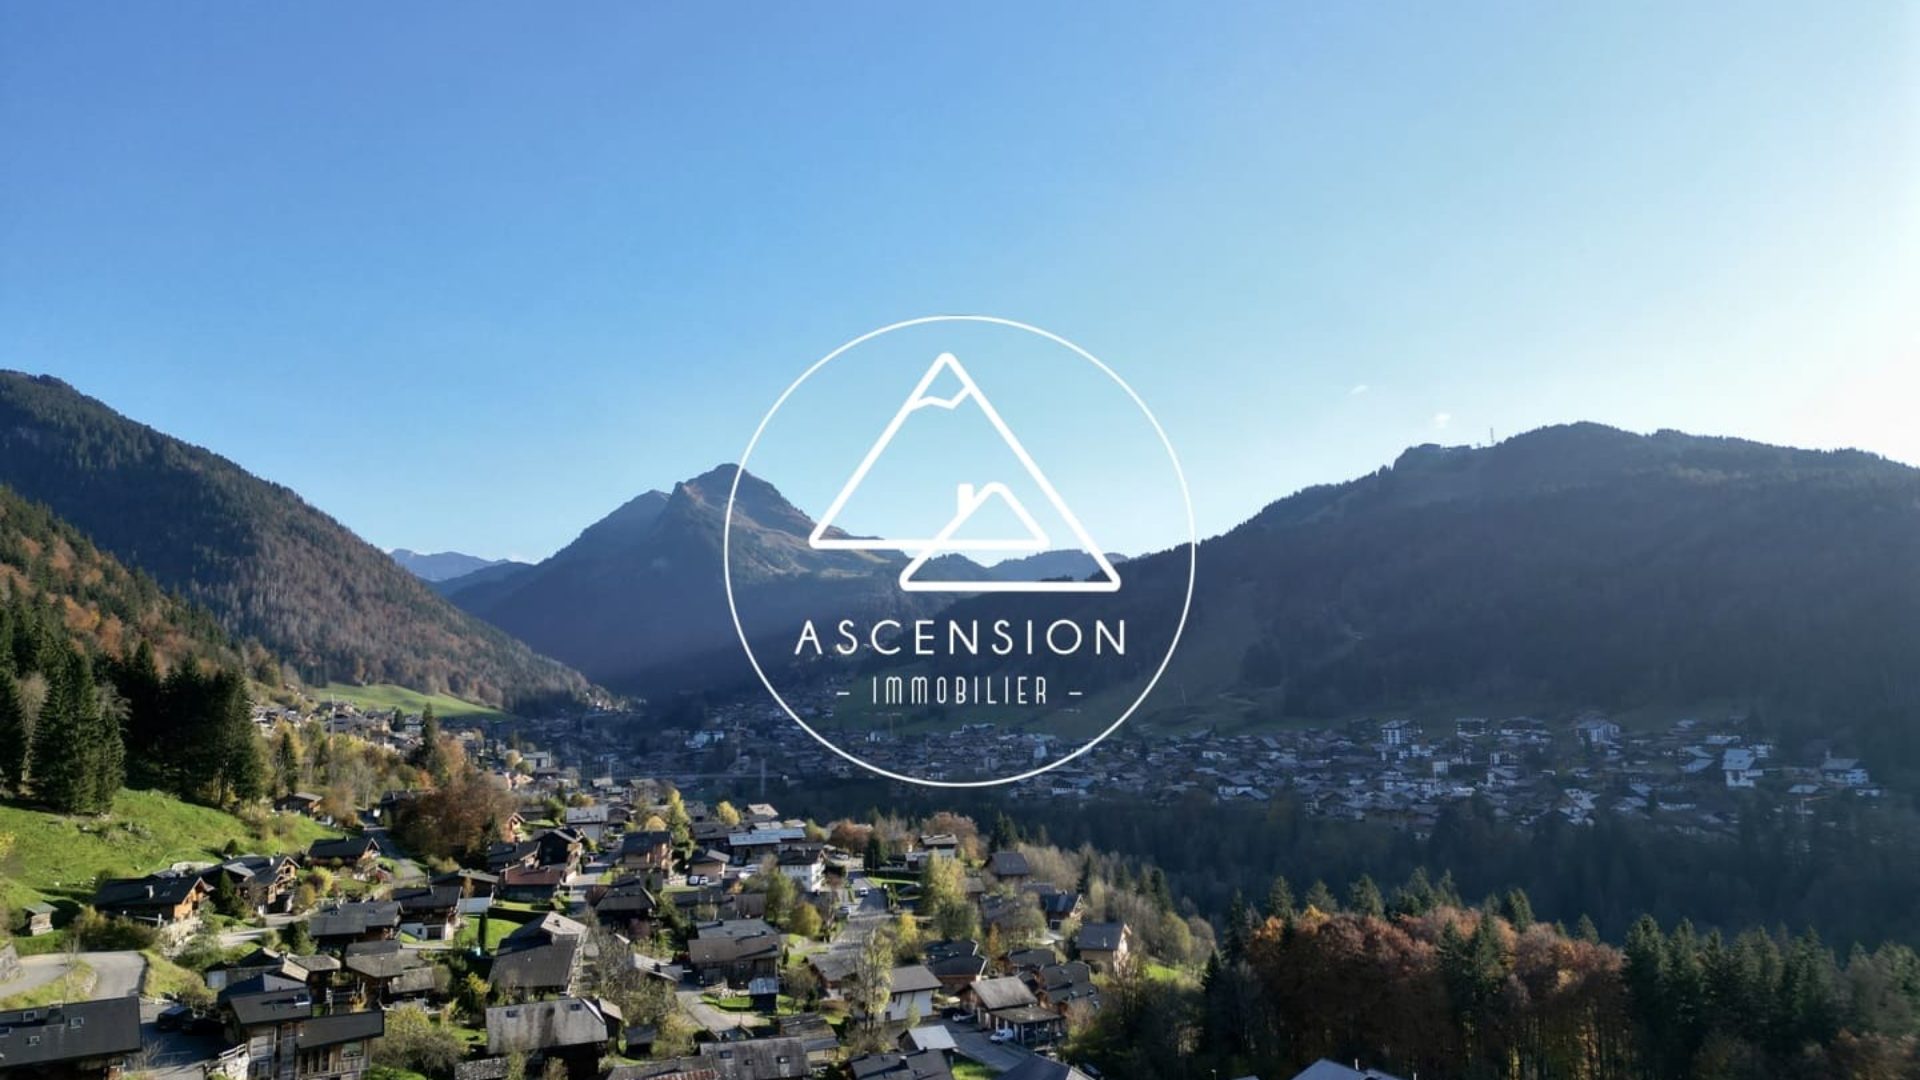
(974,1044)
(718,1020)
(265,935)
(116,974)
(171,1055)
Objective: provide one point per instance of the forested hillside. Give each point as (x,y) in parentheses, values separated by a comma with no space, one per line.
(84,705)
(268,565)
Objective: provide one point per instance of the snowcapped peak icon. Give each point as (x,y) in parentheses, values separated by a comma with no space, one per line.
(947,385)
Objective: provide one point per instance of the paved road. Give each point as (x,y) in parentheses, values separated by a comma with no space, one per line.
(116,974)
(717,1020)
(264,935)
(405,870)
(973,1043)
(171,1055)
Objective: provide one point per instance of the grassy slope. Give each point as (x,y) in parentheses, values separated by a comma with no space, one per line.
(386,696)
(56,858)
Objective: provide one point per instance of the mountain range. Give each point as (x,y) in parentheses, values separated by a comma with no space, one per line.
(444,565)
(1574,566)
(1568,567)
(268,566)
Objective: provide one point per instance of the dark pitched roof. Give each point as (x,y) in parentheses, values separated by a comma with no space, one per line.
(1008,864)
(1039,1068)
(353,920)
(338,1028)
(35,1038)
(1100,936)
(541,1025)
(382,959)
(924,1065)
(271,1006)
(913,978)
(345,847)
(152,891)
(627,898)
(958,967)
(1005,992)
(429,899)
(539,967)
(938,950)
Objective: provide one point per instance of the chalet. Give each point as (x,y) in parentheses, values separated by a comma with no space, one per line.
(304,803)
(343,924)
(758,843)
(735,952)
(532,885)
(1059,907)
(561,847)
(815,1035)
(627,907)
(388,973)
(646,850)
(1025,960)
(509,853)
(264,883)
(1062,986)
(84,1040)
(1010,867)
(253,965)
(280,1037)
(157,899)
(957,971)
(1008,1004)
(541,957)
(1104,946)
(357,856)
(912,993)
(1844,772)
(1740,767)
(835,968)
(708,865)
(476,889)
(577,1031)
(940,845)
(806,869)
(431,912)
(590,822)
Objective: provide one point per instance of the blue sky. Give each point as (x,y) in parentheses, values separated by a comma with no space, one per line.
(469,277)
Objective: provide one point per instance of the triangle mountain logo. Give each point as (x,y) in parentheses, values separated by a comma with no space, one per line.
(947,385)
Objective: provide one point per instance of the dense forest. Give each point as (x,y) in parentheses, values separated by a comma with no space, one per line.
(1423,986)
(1411,976)
(267,564)
(84,706)
(1850,872)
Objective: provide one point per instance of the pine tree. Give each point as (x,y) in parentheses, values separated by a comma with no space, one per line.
(16,731)
(1519,909)
(138,680)
(79,759)
(1280,899)
(1584,930)
(286,758)
(1320,898)
(1364,898)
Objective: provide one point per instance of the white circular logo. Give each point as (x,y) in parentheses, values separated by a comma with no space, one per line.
(923,544)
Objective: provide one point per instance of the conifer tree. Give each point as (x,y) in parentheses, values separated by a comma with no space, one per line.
(16,731)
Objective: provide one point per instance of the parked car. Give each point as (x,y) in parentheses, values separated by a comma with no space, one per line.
(1002,1035)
